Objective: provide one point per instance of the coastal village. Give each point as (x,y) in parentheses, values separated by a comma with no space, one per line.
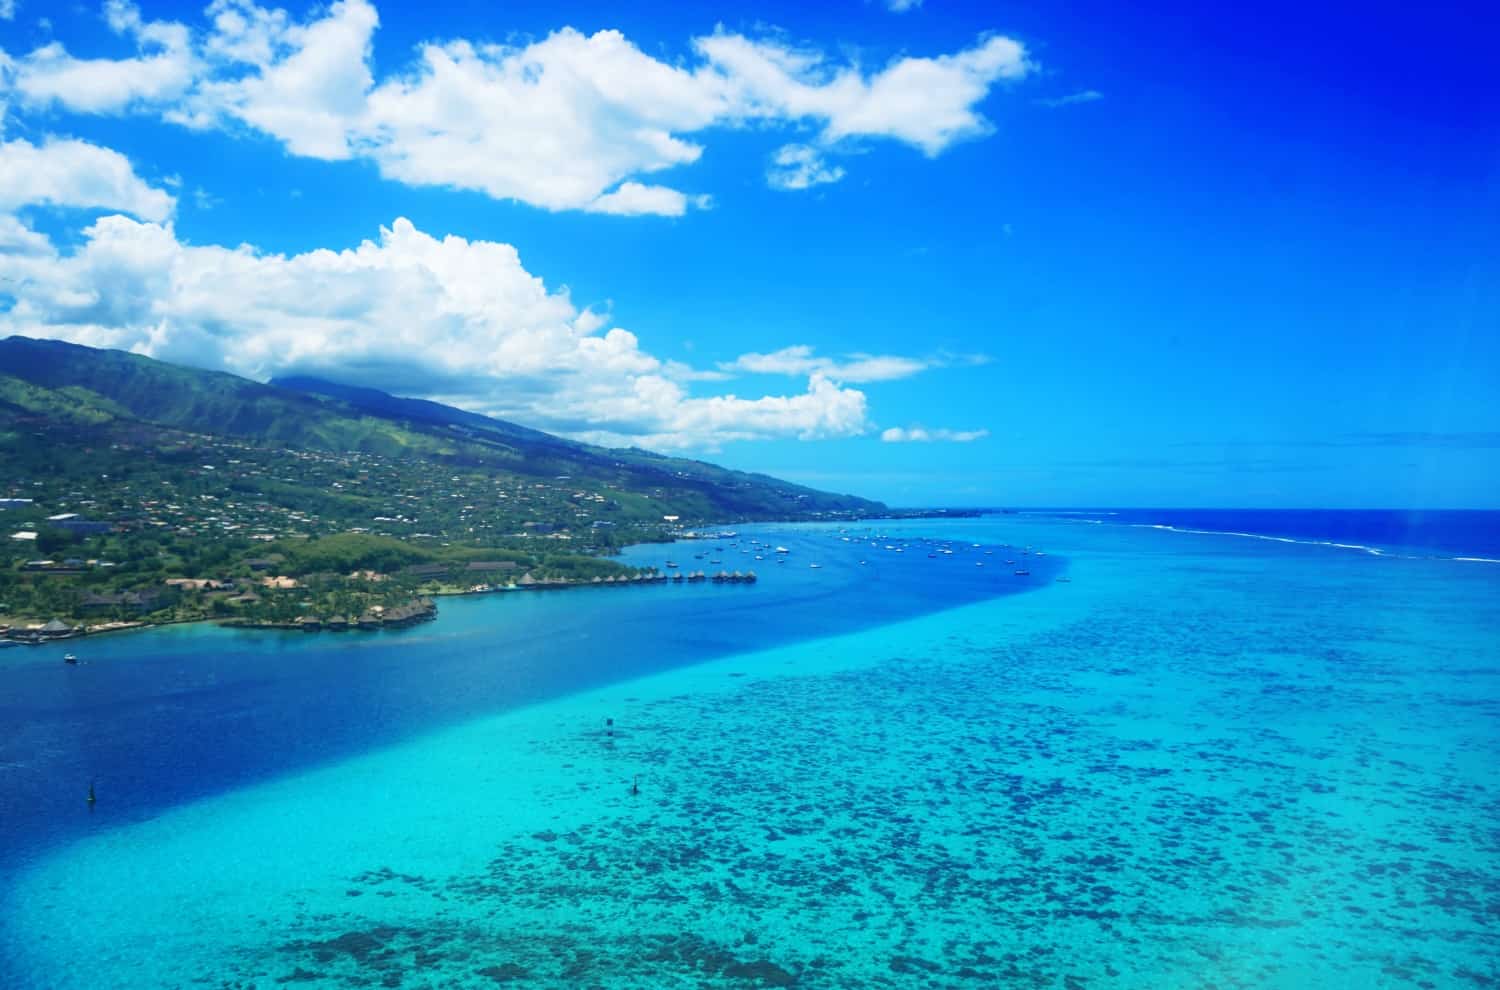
(206,527)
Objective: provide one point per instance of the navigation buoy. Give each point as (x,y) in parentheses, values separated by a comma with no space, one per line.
(91,793)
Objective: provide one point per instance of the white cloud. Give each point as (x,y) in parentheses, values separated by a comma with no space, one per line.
(65,172)
(1072,99)
(571,121)
(448,318)
(20,240)
(632,199)
(7,10)
(800,166)
(925,102)
(919,434)
(800,359)
(162,70)
(307,84)
(556,123)
(902,6)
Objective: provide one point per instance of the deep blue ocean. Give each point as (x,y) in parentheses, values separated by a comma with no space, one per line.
(1433,532)
(1185,748)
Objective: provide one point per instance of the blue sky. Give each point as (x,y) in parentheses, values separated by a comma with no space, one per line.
(1096,256)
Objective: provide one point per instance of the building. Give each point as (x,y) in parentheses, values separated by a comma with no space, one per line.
(138,601)
(56,629)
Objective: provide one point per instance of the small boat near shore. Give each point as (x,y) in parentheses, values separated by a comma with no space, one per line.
(70,659)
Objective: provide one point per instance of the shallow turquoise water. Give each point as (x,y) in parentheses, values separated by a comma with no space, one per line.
(1202,762)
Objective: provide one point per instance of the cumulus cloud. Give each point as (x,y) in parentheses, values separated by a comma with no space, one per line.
(568,122)
(800,359)
(800,166)
(919,434)
(447,318)
(633,199)
(902,6)
(65,172)
(162,70)
(7,10)
(302,83)
(925,102)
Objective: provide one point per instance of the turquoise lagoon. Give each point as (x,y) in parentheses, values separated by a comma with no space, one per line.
(1203,761)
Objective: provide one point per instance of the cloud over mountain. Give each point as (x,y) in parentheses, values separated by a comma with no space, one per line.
(446,318)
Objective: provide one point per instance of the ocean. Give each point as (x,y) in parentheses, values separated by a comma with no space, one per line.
(1457,534)
(1185,749)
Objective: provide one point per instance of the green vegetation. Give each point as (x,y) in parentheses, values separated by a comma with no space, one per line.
(182,494)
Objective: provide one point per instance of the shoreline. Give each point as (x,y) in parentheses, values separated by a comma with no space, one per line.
(82,631)
(425,609)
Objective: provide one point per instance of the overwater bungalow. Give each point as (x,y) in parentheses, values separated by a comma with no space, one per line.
(56,629)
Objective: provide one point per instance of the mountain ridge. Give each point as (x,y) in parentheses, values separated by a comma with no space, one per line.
(101,385)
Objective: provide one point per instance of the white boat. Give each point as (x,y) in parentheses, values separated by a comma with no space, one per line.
(782,550)
(815,566)
(70,658)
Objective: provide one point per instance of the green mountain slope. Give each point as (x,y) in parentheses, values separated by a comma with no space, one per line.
(88,386)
